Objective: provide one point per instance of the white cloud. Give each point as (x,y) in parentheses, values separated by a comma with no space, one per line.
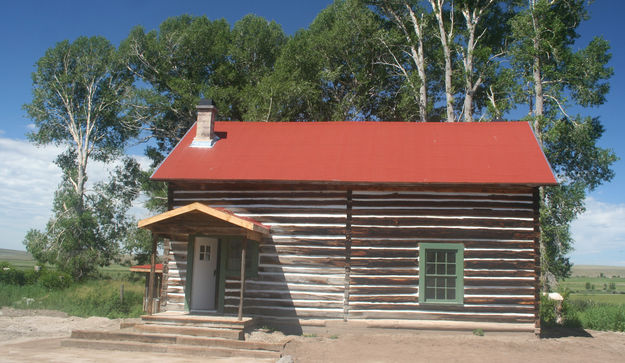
(599,234)
(30,127)
(28,180)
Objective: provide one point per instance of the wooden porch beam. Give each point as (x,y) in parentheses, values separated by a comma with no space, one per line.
(242,291)
(152,273)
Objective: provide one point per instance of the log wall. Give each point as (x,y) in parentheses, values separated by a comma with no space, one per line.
(318,263)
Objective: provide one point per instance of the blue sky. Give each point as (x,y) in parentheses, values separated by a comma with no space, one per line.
(28,177)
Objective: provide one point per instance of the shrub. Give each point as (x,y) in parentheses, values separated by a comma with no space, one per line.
(54,280)
(10,275)
(599,316)
(548,312)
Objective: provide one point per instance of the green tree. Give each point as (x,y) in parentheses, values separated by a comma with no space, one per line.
(81,93)
(552,77)
(331,68)
(181,62)
(82,236)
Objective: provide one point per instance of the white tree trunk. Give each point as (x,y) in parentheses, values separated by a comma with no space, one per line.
(446,38)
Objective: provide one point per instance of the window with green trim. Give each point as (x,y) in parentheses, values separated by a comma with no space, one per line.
(441,273)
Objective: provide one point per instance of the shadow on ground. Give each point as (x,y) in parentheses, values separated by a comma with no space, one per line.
(559,332)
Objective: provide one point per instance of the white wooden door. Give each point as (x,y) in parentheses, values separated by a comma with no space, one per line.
(204,274)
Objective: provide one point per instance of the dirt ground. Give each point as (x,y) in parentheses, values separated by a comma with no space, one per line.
(35,335)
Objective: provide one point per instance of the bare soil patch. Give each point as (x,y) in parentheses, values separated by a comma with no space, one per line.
(35,335)
(372,345)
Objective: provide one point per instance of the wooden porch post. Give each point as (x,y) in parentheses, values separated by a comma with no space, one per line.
(152,273)
(243,251)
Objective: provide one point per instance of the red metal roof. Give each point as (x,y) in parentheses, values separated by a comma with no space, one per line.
(146,268)
(369,152)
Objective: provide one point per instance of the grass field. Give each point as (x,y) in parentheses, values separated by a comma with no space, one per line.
(599,284)
(20,259)
(23,260)
(599,298)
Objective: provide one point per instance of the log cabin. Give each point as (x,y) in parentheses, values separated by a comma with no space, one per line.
(317,221)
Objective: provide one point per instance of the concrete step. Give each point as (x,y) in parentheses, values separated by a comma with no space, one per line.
(130,336)
(192,331)
(169,348)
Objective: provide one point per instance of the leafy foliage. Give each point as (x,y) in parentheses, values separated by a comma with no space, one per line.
(81,237)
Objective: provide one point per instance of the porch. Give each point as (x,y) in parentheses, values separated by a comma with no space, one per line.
(217,241)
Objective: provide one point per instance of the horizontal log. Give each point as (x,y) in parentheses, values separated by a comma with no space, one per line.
(498,264)
(304,279)
(391,314)
(283,286)
(445,212)
(261,302)
(296,295)
(443,233)
(308,230)
(383,306)
(297,269)
(380,252)
(464,308)
(497,273)
(410,271)
(303,261)
(293,312)
(303,250)
(258,200)
(498,254)
(383,298)
(175,298)
(381,262)
(384,280)
(514,283)
(310,241)
(413,221)
(399,195)
(224,194)
(172,282)
(368,290)
(413,242)
(334,209)
(498,244)
(468,290)
(311,219)
(526,300)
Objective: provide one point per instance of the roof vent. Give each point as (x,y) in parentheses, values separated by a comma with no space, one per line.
(205,131)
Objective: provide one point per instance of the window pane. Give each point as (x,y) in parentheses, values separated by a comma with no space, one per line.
(451,269)
(440,282)
(451,282)
(440,294)
(430,256)
(429,268)
(451,294)
(429,282)
(440,256)
(429,293)
(451,256)
(440,269)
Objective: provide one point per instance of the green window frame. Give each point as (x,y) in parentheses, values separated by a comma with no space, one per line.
(441,273)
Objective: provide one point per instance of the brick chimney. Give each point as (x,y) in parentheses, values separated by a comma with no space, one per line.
(205,131)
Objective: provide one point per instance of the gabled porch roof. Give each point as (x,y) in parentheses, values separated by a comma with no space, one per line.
(198,218)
